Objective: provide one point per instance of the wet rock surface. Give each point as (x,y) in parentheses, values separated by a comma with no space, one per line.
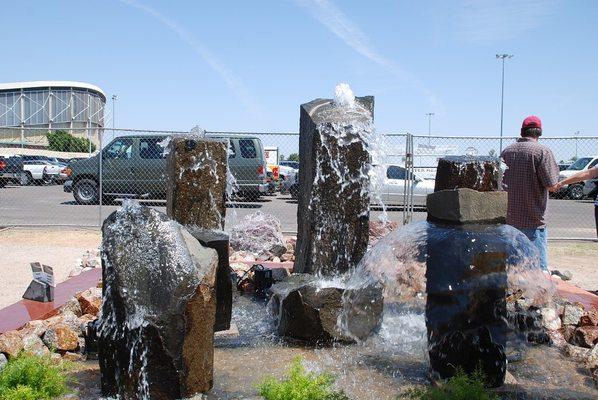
(197,178)
(156,330)
(478,173)
(307,310)
(333,204)
(464,206)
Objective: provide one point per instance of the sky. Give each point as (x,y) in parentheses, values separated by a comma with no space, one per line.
(249,65)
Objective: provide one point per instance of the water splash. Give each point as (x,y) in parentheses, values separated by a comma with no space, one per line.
(344,96)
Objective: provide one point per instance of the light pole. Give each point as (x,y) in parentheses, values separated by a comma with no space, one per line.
(576,138)
(113,103)
(502,57)
(429,125)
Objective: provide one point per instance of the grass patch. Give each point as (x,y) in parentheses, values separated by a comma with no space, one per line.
(29,377)
(300,385)
(459,387)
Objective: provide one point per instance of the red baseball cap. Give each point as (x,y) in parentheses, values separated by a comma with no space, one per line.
(531,122)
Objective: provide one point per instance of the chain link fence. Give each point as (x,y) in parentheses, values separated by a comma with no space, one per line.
(56,177)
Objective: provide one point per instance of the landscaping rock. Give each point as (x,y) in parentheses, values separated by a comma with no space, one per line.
(550,319)
(159,302)
(464,206)
(65,319)
(592,357)
(278,250)
(256,233)
(586,336)
(62,338)
(34,345)
(73,306)
(572,313)
(35,327)
(481,173)
(568,332)
(11,343)
(69,356)
(3,361)
(580,354)
(90,301)
(590,318)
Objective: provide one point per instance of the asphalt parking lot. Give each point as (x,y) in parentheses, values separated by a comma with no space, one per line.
(49,205)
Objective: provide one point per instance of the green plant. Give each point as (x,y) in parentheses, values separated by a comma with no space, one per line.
(64,141)
(300,385)
(459,387)
(293,157)
(30,377)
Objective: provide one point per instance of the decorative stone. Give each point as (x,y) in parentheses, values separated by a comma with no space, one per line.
(278,250)
(36,327)
(479,173)
(550,319)
(11,343)
(590,318)
(219,241)
(61,337)
(3,361)
(73,306)
(159,307)
(586,336)
(39,291)
(568,332)
(34,345)
(67,319)
(334,200)
(196,177)
(592,358)
(306,311)
(90,301)
(580,354)
(464,206)
(74,357)
(572,313)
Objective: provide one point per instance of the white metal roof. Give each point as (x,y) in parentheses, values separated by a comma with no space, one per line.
(45,84)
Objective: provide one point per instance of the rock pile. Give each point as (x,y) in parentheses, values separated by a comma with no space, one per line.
(62,335)
(90,260)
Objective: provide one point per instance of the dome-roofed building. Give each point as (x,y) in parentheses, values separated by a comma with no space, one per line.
(54,105)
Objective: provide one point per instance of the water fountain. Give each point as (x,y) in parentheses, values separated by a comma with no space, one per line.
(196,196)
(155,335)
(333,223)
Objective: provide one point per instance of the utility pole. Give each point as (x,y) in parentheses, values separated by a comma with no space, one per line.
(113,103)
(429,125)
(502,57)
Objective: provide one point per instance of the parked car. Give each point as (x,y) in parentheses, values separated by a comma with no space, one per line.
(135,166)
(11,170)
(576,191)
(564,166)
(40,172)
(289,163)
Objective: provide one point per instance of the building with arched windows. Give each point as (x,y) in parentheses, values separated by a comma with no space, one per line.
(29,110)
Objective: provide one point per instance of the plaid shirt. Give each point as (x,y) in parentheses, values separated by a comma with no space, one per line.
(531,170)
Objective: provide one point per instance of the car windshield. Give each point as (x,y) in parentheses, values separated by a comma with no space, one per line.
(580,164)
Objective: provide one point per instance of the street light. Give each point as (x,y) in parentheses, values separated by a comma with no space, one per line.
(502,57)
(429,125)
(113,102)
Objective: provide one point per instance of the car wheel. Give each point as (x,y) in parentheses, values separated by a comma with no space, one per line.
(576,192)
(47,179)
(86,191)
(26,179)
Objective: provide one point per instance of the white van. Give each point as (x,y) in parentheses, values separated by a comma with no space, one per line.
(576,191)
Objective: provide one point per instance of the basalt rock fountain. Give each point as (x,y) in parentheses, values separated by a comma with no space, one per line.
(333,224)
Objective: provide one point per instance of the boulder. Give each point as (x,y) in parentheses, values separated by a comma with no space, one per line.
(308,309)
(592,357)
(67,318)
(11,343)
(256,234)
(158,309)
(3,361)
(74,357)
(333,204)
(34,345)
(590,318)
(36,327)
(586,336)
(73,306)
(90,301)
(572,313)
(61,338)
(580,354)
(481,173)
(550,319)
(464,206)
(197,177)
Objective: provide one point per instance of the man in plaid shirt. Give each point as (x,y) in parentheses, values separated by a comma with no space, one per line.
(532,172)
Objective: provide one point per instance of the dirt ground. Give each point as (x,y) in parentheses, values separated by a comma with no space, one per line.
(61,247)
(58,248)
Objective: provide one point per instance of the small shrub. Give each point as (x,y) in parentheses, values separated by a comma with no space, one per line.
(300,385)
(29,377)
(459,387)
(64,141)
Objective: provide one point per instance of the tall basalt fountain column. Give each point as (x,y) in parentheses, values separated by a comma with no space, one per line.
(196,198)
(466,269)
(333,210)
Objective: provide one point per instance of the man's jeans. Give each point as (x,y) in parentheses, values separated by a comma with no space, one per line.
(538,237)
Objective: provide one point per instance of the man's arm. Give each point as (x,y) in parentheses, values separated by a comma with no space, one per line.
(580,176)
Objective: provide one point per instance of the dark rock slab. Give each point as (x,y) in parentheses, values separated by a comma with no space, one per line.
(464,206)
(218,241)
(309,311)
(196,181)
(333,209)
(155,335)
(480,173)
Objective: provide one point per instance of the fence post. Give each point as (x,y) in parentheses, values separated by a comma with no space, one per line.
(100,193)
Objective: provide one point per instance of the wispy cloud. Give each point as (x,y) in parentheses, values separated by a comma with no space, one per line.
(490,21)
(328,14)
(234,82)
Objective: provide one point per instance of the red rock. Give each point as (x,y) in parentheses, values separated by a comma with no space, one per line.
(590,318)
(73,356)
(67,319)
(90,301)
(35,327)
(586,336)
(568,332)
(11,343)
(73,306)
(61,337)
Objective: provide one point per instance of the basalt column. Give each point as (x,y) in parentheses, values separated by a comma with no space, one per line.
(333,210)
(196,196)
(466,269)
